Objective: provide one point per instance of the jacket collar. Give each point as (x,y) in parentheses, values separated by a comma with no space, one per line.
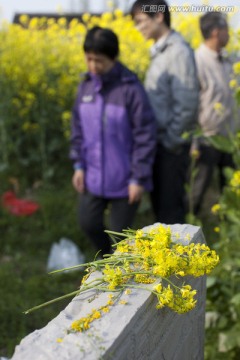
(159,45)
(116,74)
(163,43)
(222,56)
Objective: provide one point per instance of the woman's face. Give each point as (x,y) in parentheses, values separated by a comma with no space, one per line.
(98,64)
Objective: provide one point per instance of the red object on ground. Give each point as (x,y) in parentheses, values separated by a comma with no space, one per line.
(18,207)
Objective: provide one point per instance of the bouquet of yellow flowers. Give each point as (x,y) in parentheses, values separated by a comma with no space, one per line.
(148,260)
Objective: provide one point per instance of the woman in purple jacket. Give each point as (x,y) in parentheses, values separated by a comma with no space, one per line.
(112,140)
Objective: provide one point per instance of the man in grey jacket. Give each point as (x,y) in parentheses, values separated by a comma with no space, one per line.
(172,87)
(216,103)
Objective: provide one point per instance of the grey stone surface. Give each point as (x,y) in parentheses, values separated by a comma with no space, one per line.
(135,331)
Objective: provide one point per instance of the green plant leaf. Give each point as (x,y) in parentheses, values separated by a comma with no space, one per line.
(211,280)
(236,299)
(221,143)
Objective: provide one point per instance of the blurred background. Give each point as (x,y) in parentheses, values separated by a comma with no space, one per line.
(10,7)
(41,62)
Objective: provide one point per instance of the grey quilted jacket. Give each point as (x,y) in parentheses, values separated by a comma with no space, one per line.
(172,85)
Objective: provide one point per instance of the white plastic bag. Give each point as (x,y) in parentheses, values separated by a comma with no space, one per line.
(64,254)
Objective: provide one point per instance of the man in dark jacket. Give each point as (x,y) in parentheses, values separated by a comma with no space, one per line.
(172,85)
(113,140)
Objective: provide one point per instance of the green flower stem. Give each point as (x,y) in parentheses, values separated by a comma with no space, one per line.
(100,280)
(115,233)
(89,264)
(106,289)
(110,260)
(141,287)
(170,282)
(191,184)
(136,287)
(123,233)
(77,292)
(52,301)
(4,147)
(139,272)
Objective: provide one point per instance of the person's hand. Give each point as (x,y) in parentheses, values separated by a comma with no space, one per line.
(135,192)
(78,180)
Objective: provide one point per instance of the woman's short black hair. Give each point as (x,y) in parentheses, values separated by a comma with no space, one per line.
(101,41)
(210,21)
(151,8)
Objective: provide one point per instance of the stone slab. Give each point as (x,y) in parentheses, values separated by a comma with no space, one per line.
(136,331)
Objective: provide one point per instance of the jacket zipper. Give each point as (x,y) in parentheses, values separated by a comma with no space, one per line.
(103,123)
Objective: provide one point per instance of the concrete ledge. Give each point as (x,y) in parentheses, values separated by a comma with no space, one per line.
(134,331)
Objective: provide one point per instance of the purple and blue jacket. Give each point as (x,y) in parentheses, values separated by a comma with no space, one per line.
(113,136)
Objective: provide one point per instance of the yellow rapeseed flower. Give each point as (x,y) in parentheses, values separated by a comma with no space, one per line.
(105,309)
(123,302)
(118,13)
(86,17)
(195,154)
(236,68)
(24,19)
(215,208)
(235,182)
(158,288)
(96,314)
(106,17)
(233,83)
(128,291)
(219,108)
